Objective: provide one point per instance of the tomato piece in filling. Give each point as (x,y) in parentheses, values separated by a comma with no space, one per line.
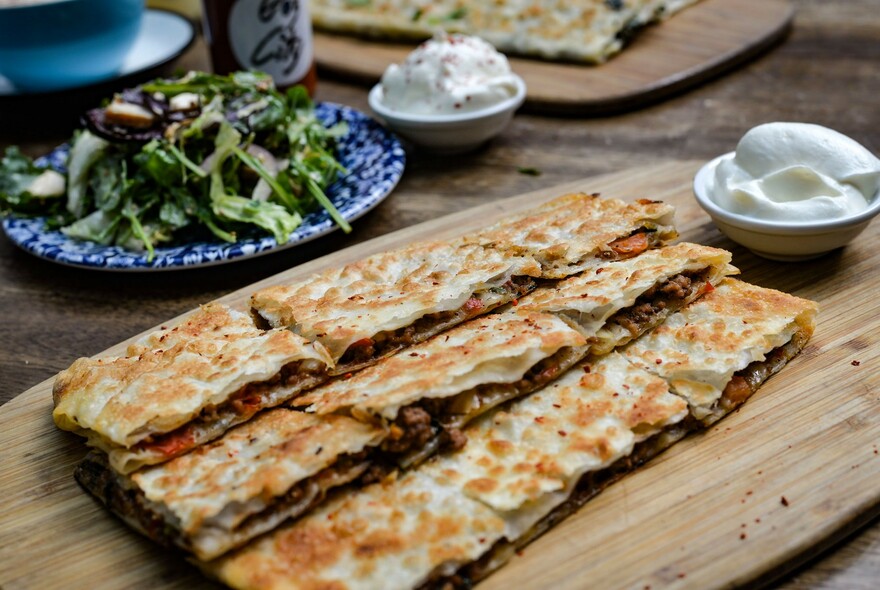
(630,246)
(738,390)
(174,442)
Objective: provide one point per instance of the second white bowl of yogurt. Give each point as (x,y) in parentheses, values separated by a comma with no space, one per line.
(452,94)
(791,191)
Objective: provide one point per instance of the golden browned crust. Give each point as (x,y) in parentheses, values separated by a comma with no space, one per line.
(700,348)
(497,348)
(586,31)
(171,375)
(566,234)
(390,535)
(388,291)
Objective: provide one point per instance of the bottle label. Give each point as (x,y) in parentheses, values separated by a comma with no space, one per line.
(273,36)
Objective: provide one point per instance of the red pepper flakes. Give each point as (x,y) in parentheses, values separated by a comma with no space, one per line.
(681,574)
(742,536)
(855,363)
(784,501)
(658,361)
(562,433)
(539,419)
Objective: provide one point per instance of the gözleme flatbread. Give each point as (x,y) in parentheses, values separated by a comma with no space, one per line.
(415,392)
(551,451)
(183,386)
(588,30)
(371,308)
(612,303)
(395,534)
(567,234)
(429,391)
(277,466)
(530,464)
(717,351)
(440,522)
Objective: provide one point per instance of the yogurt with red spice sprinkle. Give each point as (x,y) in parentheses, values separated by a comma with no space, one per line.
(446,75)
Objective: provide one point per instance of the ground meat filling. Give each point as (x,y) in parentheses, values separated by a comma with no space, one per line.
(412,429)
(131,504)
(344,470)
(96,477)
(367,350)
(418,424)
(660,300)
(238,408)
(747,381)
(632,245)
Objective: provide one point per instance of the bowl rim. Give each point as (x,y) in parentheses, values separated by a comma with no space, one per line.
(773,227)
(508,104)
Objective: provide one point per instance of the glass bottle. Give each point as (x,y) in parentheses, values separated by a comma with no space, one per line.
(273,36)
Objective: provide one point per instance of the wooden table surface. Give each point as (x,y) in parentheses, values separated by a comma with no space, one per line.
(826,72)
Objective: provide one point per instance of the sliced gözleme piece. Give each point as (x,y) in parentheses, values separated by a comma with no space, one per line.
(613,302)
(567,235)
(275,467)
(394,534)
(183,386)
(587,30)
(372,308)
(717,351)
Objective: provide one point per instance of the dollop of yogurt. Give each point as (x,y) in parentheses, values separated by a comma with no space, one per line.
(448,74)
(796,172)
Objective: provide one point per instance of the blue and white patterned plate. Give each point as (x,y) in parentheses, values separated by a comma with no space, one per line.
(372,155)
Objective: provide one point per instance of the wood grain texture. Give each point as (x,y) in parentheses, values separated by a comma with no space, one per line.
(707,513)
(683,51)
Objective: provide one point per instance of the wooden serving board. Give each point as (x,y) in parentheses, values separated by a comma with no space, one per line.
(707,513)
(690,47)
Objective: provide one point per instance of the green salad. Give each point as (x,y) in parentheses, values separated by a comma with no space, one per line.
(180,159)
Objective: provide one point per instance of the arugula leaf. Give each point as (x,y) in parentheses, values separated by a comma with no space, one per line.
(157,161)
(107,182)
(270,216)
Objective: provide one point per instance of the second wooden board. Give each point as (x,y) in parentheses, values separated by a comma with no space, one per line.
(683,51)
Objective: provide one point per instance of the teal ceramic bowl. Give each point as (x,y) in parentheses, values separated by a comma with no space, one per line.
(55,44)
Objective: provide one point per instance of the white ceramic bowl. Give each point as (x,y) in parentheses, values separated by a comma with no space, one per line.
(780,240)
(449,133)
